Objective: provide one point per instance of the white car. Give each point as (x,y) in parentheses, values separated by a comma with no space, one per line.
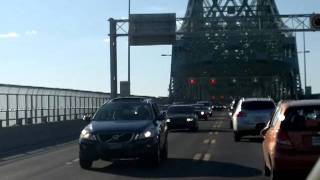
(251,116)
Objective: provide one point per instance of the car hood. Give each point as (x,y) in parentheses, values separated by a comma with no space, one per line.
(180,116)
(120,126)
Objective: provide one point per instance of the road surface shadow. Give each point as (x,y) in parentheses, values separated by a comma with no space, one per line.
(252,139)
(178,168)
(202,130)
(35,147)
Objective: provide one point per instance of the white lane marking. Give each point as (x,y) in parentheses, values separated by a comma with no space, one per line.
(216,133)
(197,157)
(211,133)
(213,141)
(206,141)
(76,160)
(207,157)
(68,163)
(13,157)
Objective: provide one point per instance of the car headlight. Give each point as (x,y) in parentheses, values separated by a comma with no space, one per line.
(168,120)
(189,119)
(202,112)
(150,133)
(86,134)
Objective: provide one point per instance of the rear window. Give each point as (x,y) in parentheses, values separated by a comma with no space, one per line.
(302,119)
(258,105)
(180,109)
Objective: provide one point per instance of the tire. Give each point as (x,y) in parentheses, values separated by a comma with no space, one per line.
(155,159)
(267,171)
(85,164)
(275,175)
(231,125)
(237,137)
(195,128)
(164,152)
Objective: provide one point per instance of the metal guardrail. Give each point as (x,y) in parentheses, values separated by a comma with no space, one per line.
(35,105)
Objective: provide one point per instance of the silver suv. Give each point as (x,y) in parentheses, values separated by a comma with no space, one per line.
(251,116)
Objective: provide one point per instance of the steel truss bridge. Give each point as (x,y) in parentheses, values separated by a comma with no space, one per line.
(231,48)
(236,48)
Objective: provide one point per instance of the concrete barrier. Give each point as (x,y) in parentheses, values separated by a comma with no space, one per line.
(19,137)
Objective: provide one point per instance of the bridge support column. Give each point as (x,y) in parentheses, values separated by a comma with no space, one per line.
(113,57)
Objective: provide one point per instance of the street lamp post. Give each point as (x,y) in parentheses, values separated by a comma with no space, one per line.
(305,52)
(129,49)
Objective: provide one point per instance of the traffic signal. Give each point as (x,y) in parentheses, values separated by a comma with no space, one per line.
(315,21)
(213,82)
(192,81)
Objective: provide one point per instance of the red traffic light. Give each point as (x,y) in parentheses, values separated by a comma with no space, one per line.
(192,81)
(315,21)
(213,82)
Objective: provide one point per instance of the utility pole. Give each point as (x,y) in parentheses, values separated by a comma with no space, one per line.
(113,58)
(129,50)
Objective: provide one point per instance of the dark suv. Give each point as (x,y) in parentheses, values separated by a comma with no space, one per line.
(125,128)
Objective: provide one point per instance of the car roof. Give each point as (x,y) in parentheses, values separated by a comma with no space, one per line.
(257,99)
(180,105)
(132,100)
(300,103)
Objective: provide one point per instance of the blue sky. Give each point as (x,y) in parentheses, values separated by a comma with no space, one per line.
(62,43)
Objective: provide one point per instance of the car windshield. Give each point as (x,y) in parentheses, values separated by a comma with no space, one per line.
(180,110)
(302,119)
(199,107)
(258,105)
(124,112)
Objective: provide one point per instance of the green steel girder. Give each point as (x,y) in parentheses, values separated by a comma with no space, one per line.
(241,44)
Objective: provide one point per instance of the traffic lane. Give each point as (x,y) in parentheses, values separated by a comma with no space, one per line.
(183,146)
(202,165)
(63,162)
(247,153)
(191,156)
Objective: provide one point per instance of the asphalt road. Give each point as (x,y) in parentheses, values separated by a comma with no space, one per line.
(210,153)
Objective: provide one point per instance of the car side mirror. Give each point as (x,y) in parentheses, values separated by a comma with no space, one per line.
(86,118)
(163,113)
(161,117)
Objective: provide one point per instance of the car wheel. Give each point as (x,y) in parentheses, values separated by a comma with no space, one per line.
(275,175)
(156,157)
(237,137)
(85,164)
(164,152)
(267,171)
(194,129)
(231,125)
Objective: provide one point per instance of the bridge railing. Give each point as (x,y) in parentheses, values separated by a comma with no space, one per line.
(35,107)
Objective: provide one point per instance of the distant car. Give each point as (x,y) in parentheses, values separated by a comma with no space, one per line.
(182,117)
(125,128)
(163,109)
(292,138)
(203,111)
(218,107)
(208,104)
(251,116)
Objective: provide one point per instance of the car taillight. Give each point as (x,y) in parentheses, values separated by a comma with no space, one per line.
(241,114)
(283,139)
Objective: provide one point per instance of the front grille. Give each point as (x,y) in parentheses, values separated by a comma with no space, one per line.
(115,137)
(178,119)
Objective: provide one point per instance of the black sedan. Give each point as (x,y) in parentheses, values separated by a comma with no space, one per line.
(182,117)
(125,128)
(202,111)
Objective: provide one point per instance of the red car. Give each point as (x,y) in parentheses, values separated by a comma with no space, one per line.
(292,138)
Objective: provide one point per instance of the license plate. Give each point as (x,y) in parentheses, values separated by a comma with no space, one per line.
(114,146)
(316,141)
